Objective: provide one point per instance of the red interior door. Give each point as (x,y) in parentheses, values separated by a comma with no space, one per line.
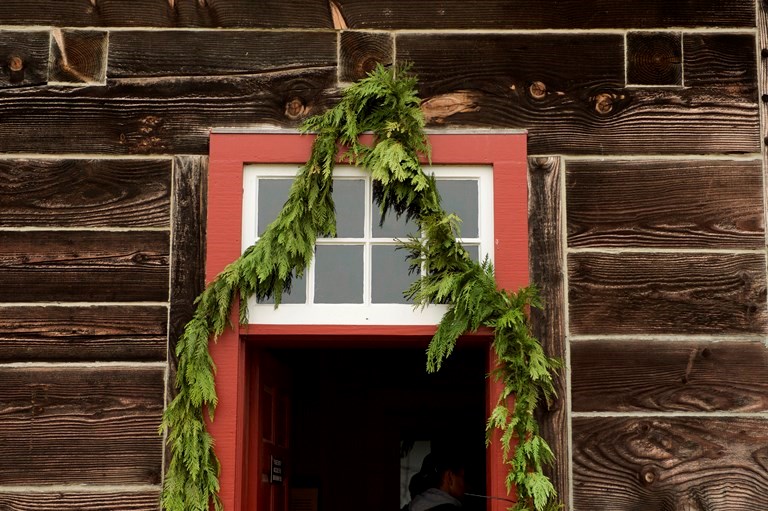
(269,463)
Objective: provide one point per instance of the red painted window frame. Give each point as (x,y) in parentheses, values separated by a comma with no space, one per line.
(229,153)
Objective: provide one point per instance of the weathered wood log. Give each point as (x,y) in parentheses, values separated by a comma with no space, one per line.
(23,57)
(665,203)
(90,425)
(80,500)
(85,193)
(165,13)
(160,115)
(188,252)
(546,266)
(77,334)
(663,464)
(361,51)
(532,14)
(576,102)
(666,293)
(667,376)
(142,53)
(84,266)
(654,58)
(722,61)
(78,56)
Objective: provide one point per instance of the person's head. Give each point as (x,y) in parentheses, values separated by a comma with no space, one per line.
(445,471)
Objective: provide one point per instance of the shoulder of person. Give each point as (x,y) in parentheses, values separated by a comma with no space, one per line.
(445,507)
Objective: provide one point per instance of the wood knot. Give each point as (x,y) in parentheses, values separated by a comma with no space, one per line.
(295,108)
(604,103)
(538,90)
(648,475)
(15,63)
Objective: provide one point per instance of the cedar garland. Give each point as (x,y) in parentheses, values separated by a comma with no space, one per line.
(384,103)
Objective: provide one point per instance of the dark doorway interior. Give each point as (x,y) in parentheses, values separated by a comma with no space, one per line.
(354,411)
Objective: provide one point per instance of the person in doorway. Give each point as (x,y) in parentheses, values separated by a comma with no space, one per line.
(439,485)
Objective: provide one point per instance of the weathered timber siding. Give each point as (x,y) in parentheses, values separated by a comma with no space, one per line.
(646,214)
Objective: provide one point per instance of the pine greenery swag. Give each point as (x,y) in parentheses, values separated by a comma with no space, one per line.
(384,103)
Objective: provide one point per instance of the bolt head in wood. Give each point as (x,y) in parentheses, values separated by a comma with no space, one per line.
(15,63)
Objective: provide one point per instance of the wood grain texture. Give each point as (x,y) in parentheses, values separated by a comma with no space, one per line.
(78,56)
(654,58)
(720,61)
(676,464)
(162,13)
(93,425)
(85,193)
(546,267)
(23,58)
(158,115)
(84,266)
(574,102)
(531,14)
(665,293)
(632,376)
(142,53)
(188,249)
(665,203)
(359,52)
(80,501)
(83,334)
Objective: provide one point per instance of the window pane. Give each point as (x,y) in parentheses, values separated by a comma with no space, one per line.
(389,275)
(474,252)
(460,197)
(298,293)
(349,198)
(393,227)
(339,274)
(272,195)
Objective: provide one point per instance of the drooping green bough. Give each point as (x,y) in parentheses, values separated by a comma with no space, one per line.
(385,104)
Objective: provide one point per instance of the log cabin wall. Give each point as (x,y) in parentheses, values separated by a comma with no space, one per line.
(647,218)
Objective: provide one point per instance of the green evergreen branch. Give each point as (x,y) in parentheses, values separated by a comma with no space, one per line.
(385,104)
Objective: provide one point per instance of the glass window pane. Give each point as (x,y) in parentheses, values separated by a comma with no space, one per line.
(392,227)
(272,195)
(349,198)
(339,274)
(389,275)
(474,252)
(459,196)
(297,294)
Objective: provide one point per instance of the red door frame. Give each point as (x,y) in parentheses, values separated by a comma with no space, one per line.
(229,152)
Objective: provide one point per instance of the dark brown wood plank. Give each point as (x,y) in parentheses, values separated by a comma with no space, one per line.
(665,203)
(658,464)
(85,193)
(509,63)
(188,259)
(546,267)
(573,102)
(23,57)
(216,52)
(632,376)
(159,115)
(94,425)
(84,266)
(77,334)
(361,51)
(79,501)
(665,293)
(720,60)
(164,13)
(531,14)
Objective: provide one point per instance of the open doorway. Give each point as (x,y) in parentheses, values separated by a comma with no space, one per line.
(345,429)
